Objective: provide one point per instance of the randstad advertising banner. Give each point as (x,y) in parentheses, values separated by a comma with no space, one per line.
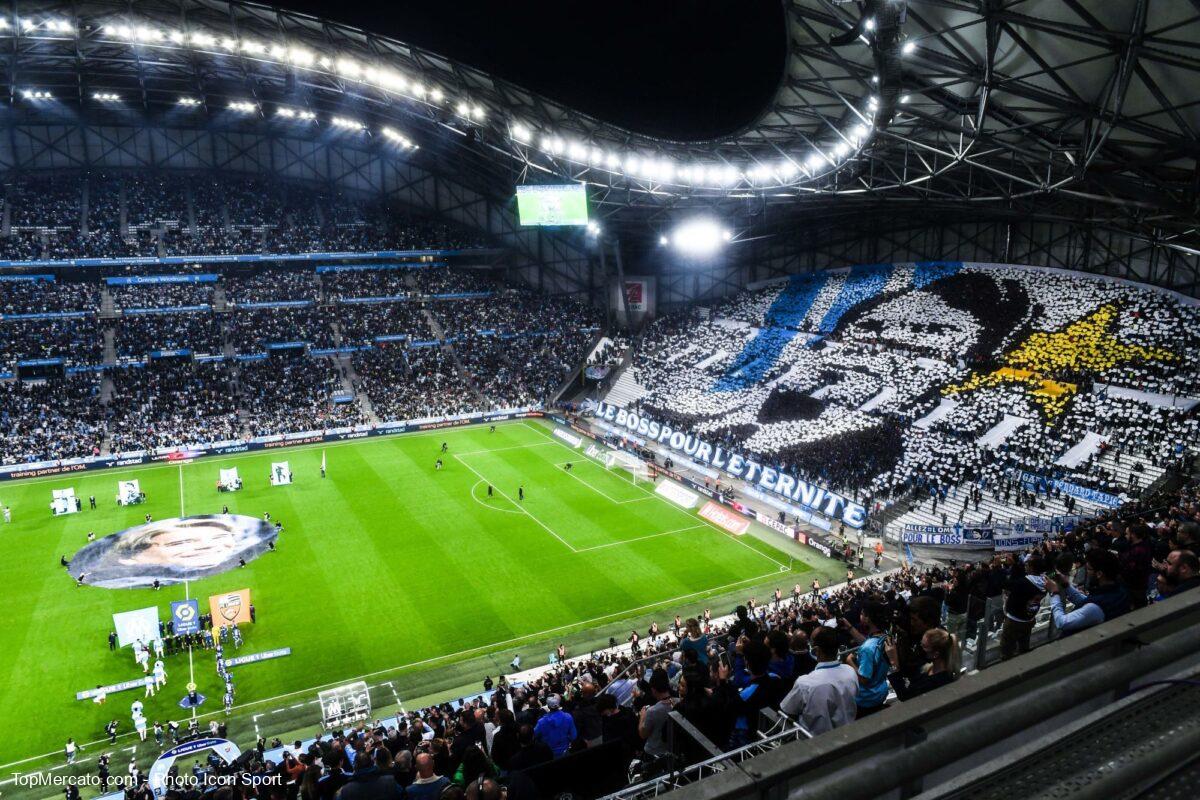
(809,495)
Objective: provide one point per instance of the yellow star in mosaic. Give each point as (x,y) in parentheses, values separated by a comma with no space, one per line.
(1086,345)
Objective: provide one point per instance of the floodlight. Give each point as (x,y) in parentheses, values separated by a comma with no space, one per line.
(243,106)
(395,136)
(347,123)
(435,94)
(593,229)
(106,97)
(908,48)
(869,23)
(188,101)
(699,237)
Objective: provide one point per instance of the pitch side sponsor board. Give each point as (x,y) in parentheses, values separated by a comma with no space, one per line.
(677,494)
(723,517)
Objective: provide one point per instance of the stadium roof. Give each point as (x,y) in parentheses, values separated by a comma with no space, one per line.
(1008,105)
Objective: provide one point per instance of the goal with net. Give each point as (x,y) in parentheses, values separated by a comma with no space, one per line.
(637,469)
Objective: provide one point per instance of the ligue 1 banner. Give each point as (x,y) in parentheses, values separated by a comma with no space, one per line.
(230,608)
(808,495)
(185,617)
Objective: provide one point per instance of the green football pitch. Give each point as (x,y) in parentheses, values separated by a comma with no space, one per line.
(385,568)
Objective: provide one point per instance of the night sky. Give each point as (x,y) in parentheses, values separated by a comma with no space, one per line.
(684,69)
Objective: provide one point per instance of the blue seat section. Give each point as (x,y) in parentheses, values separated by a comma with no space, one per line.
(926,272)
(783,320)
(863,283)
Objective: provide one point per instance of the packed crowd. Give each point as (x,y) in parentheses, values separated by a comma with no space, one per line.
(285,395)
(138,335)
(51,419)
(886,381)
(360,323)
(254,329)
(367,283)
(171,403)
(412,383)
(76,340)
(137,214)
(48,297)
(161,295)
(271,285)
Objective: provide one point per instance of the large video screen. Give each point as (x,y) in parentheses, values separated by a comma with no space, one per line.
(552,204)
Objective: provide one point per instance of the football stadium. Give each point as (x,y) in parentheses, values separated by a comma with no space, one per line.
(721,400)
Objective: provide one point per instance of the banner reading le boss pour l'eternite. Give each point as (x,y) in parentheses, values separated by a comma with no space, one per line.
(809,495)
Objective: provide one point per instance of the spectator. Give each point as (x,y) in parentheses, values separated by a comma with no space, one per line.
(824,699)
(942,667)
(1106,598)
(533,750)
(372,779)
(1181,573)
(428,785)
(1023,595)
(870,660)
(652,725)
(556,729)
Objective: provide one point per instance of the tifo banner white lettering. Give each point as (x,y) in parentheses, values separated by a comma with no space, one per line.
(569,438)
(809,495)
(677,494)
(1017,541)
(719,515)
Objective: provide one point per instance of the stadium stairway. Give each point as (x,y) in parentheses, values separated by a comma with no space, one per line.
(449,350)
(349,381)
(110,345)
(574,376)
(626,390)
(220,302)
(107,309)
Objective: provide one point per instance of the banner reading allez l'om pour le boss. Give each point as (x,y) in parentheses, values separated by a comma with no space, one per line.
(806,494)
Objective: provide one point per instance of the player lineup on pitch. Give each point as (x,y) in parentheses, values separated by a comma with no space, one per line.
(225,559)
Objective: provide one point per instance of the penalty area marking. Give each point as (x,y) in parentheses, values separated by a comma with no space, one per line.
(722,532)
(597,490)
(489,506)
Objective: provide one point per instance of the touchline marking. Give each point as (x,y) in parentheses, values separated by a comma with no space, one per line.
(423,662)
(640,538)
(517,505)
(390,437)
(181,514)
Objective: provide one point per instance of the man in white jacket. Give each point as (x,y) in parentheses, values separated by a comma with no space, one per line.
(824,699)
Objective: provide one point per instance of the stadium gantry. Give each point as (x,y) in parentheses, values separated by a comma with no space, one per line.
(896,344)
(988,131)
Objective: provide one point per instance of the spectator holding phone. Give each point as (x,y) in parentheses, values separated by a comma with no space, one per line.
(870,660)
(1106,598)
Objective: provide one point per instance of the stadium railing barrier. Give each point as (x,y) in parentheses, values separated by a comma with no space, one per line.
(930,741)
